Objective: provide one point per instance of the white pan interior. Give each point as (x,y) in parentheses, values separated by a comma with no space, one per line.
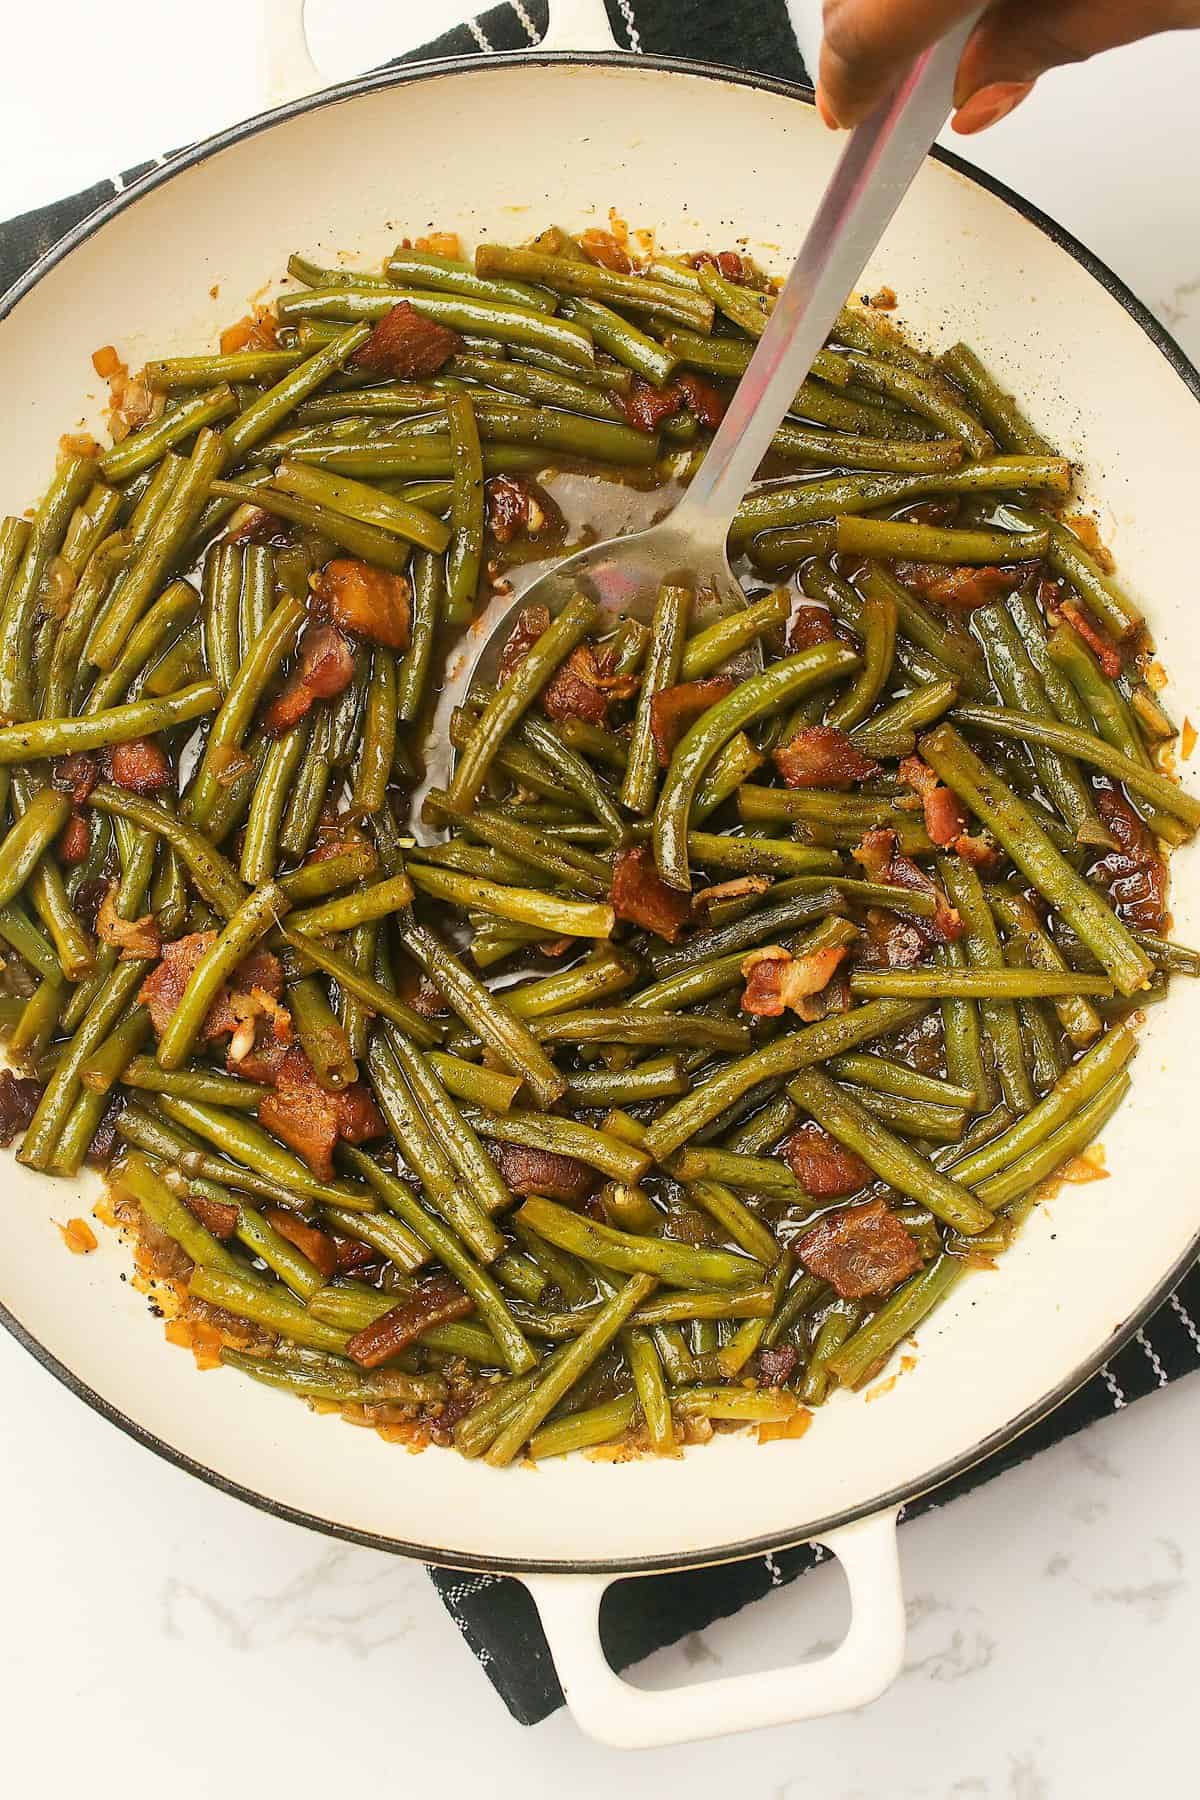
(501,151)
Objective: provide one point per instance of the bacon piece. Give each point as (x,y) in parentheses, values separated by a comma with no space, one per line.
(19,1097)
(319,1249)
(372,603)
(104,1138)
(676,708)
(822,1165)
(352,1254)
(1134,873)
(75,839)
(141,766)
(890,942)
(778,1364)
(860,1250)
(543,1172)
(531,622)
(727,263)
(75,775)
(946,820)
(257,984)
(136,939)
(777,981)
(603,248)
(961,588)
(517,506)
(741,887)
(214,1215)
(646,406)
(583,688)
(702,398)
(822,756)
(810,625)
(640,895)
(310,1119)
(883,862)
(324,667)
(163,988)
(405,345)
(436,1301)
(1107,654)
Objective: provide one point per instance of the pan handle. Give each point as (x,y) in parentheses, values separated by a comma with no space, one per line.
(862,1666)
(286,70)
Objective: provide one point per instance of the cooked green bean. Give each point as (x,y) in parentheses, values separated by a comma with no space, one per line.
(998,410)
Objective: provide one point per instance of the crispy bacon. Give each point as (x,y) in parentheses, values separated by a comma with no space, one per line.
(583,688)
(860,1250)
(75,840)
(1107,654)
(320,1250)
(727,263)
(405,345)
(141,766)
(810,625)
(822,1165)
(946,821)
(883,862)
(517,506)
(543,1172)
(19,1097)
(163,988)
(961,588)
(778,1364)
(75,775)
(676,708)
(603,248)
(1134,873)
(646,406)
(640,895)
(311,1120)
(777,981)
(436,1301)
(214,1215)
(890,942)
(822,756)
(324,668)
(702,398)
(372,603)
(136,939)
(531,622)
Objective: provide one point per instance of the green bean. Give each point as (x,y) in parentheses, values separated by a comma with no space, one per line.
(207,1085)
(35,1020)
(260,848)
(212,371)
(506,1036)
(136,1177)
(871,1071)
(366,541)
(878,621)
(951,645)
(890,1158)
(253,919)
(516,694)
(143,448)
(564,1137)
(763,1175)
(924,1119)
(50,1118)
(574,1362)
(368,505)
(489,1301)
(786,680)
(249,1145)
(640,785)
(265,413)
(28,840)
(635,1025)
(659,1078)
(922,393)
(506,324)
(162,547)
(612,332)
(327,874)
(321,1036)
(599,1424)
(377,746)
(480,1087)
(106,1065)
(848,450)
(865,1353)
(375,902)
(251,1298)
(1078,1018)
(590,281)
(681,1265)
(762,926)
(936,543)
(465,555)
(551,915)
(984,983)
(483,1190)
(571,868)
(47,529)
(222,598)
(1108,603)
(29,943)
(1011,823)
(421,268)
(998,410)
(998,1015)
(1039,1162)
(179,663)
(832,496)
(115,725)
(569,768)
(334,1382)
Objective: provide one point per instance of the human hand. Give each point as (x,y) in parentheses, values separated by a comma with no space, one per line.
(1014,43)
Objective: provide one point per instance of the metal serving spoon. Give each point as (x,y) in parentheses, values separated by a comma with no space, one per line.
(623,574)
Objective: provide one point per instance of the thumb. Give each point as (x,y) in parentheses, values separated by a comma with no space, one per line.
(866,44)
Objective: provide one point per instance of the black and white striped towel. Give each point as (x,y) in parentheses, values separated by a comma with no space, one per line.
(494,1614)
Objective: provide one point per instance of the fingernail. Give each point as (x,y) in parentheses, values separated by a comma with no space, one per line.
(989,105)
(826,112)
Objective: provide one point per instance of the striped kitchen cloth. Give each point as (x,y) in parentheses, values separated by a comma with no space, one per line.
(496,1615)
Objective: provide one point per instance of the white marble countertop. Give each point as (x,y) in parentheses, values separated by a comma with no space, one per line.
(155,1630)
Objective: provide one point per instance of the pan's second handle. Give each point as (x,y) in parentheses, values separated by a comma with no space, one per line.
(863,1665)
(286,70)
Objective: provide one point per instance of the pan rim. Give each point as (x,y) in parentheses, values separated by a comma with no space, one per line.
(467,1560)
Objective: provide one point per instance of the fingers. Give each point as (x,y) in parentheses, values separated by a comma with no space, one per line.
(867,42)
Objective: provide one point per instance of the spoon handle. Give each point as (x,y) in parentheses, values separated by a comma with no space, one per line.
(873,174)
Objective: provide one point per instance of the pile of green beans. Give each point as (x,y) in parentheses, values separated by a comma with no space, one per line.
(575,1209)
